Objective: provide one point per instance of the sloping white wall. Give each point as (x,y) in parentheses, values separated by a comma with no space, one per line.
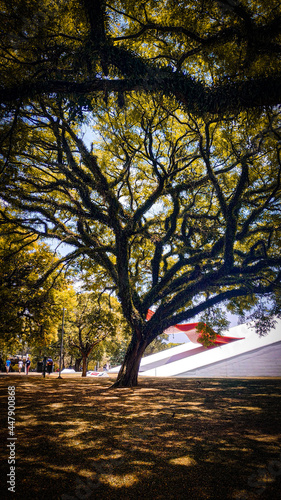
(262,362)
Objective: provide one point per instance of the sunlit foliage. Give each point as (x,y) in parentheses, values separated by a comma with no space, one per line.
(30,309)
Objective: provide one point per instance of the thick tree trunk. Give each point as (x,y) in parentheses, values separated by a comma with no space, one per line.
(128,374)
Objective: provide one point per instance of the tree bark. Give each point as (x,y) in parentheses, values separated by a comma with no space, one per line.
(84,369)
(128,374)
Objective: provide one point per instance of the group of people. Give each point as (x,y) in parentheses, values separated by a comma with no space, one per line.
(20,365)
(49,365)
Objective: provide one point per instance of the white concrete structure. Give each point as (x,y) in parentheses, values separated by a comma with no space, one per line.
(244,354)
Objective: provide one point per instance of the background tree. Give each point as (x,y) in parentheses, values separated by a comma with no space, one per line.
(116,351)
(158,344)
(178,212)
(94,320)
(30,309)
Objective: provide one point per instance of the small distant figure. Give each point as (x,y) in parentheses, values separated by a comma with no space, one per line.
(8,365)
(27,365)
(20,365)
(49,365)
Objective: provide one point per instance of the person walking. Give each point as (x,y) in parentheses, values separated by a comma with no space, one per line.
(49,365)
(20,365)
(8,365)
(27,365)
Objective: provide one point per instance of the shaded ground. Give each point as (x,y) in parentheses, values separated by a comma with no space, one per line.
(167,439)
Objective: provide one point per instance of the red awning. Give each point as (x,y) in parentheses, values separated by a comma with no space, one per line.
(190,329)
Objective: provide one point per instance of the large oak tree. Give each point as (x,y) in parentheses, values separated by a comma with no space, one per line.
(177,212)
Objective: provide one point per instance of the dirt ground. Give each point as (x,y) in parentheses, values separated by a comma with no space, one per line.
(167,439)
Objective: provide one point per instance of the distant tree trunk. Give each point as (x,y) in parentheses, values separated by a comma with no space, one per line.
(84,369)
(77,364)
(128,374)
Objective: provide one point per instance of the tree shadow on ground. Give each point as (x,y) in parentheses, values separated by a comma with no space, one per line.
(168,438)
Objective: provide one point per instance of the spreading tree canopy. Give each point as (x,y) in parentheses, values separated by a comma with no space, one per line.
(177,212)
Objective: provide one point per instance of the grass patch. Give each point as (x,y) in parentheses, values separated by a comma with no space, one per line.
(167,439)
